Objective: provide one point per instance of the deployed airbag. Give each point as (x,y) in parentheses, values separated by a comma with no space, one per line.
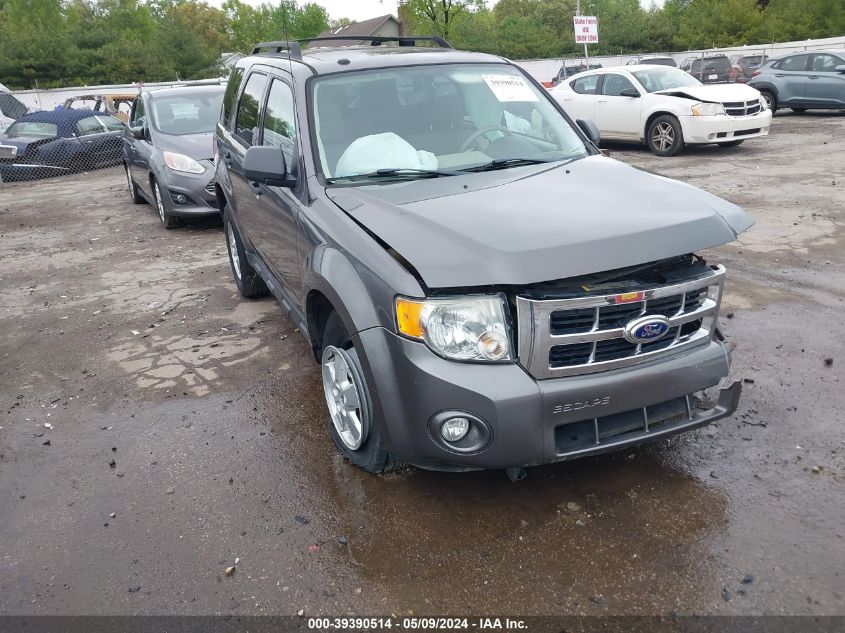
(382,151)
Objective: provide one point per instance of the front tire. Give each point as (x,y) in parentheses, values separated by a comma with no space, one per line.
(249,282)
(771,100)
(133,188)
(665,136)
(348,400)
(169,221)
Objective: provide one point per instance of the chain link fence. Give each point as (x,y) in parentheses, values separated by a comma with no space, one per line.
(51,133)
(729,65)
(54,143)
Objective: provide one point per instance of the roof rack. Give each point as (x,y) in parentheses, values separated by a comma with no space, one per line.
(378,40)
(274,48)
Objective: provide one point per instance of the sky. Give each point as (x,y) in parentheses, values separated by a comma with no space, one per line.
(365,9)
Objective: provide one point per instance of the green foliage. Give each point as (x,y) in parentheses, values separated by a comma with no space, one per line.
(543,28)
(65,42)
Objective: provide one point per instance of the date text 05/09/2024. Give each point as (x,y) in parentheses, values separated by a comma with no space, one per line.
(417,623)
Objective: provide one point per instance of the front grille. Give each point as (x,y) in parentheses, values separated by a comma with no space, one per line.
(741,108)
(591,434)
(565,337)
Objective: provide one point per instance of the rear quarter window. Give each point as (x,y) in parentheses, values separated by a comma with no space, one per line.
(230,95)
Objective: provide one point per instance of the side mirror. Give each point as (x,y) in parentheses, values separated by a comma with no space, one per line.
(840,68)
(589,128)
(266,164)
(630,92)
(137,132)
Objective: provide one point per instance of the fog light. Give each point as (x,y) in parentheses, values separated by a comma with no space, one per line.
(181,198)
(454,429)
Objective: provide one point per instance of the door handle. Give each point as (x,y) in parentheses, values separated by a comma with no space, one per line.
(812,76)
(602,101)
(779,75)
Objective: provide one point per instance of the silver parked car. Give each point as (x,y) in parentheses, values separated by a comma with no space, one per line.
(804,81)
(168,149)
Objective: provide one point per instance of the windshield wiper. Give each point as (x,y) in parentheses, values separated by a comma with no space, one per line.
(396,172)
(504,163)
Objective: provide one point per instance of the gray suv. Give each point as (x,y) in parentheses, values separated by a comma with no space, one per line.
(803,81)
(482,288)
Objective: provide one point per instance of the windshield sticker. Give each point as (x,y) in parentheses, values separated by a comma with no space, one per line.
(509,88)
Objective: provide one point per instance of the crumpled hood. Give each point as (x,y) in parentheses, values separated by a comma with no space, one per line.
(717,93)
(531,224)
(197,146)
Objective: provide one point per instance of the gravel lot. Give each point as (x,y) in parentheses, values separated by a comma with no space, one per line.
(156,430)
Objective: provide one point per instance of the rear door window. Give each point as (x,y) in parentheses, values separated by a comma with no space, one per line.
(89,125)
(794,63)
(586,85)
(111,123)
(246,119)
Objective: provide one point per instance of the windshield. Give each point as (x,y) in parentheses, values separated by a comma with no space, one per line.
(436,120)
(32,129)
(667,78)
(186,114)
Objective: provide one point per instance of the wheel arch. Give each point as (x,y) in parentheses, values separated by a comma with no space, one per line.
(652,117)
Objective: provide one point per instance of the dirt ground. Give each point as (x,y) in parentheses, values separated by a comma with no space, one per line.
(157,429)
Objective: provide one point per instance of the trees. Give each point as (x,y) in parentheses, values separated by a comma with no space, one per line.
(62,42)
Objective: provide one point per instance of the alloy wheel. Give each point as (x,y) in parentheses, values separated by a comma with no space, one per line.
(343,397)
(159,203)
(233,250)
(663,136)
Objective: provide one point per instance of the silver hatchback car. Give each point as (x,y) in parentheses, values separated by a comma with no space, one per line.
(803,81)
(168,149)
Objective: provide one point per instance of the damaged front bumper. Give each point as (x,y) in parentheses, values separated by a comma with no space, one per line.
(525,421)
(724,129)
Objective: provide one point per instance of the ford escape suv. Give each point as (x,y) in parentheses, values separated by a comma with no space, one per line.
(482,288)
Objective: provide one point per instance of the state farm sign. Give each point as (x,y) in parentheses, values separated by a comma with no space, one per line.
(586,29)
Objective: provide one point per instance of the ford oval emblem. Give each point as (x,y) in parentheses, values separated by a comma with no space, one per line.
(646,329)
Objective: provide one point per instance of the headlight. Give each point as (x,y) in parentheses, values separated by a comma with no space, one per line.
(707,109)
(180,162)
(470,328)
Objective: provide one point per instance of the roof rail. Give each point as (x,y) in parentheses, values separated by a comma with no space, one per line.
(274,48)
(378,40)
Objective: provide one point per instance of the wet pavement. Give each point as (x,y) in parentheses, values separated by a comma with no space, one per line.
(187,434)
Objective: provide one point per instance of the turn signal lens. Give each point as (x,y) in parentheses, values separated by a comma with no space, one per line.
(408,317)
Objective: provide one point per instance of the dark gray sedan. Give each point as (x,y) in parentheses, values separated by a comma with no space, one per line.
(168,150)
